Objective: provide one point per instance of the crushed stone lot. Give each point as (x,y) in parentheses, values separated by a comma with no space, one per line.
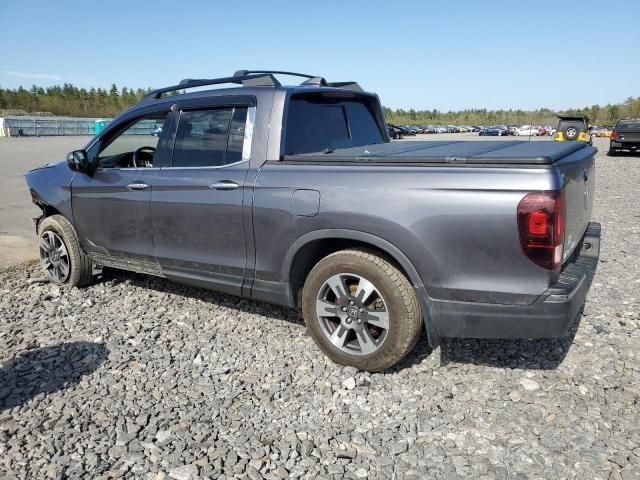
(138,377)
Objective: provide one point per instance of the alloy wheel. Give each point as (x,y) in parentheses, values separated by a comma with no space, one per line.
(352,313)
(54,256)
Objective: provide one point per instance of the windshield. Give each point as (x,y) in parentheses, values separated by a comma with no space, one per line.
(316,122)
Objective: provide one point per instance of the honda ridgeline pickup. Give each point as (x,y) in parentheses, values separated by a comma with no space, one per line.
(295,195)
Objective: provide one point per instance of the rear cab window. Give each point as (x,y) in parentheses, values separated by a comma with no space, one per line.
(630,124)
(319,122)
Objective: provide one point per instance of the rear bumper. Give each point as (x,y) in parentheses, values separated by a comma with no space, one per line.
(623,144)
(549,316)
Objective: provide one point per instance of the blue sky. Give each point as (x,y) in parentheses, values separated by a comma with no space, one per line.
(422,54)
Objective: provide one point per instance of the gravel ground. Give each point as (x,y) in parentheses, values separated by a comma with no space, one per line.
(141,378)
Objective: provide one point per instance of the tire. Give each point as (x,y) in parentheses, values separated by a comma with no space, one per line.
(570,132)
(612,152)
(353,316)
(74,267)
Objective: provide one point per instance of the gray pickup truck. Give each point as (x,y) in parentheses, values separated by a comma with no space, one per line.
(295,195)
(625,136)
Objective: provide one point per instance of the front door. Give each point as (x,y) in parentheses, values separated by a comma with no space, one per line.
(111,208)
(197,202)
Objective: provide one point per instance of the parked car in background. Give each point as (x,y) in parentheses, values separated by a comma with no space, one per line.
(527,131)
(394,132)
(495,131)
(573,128)
(602,131)
(625,136)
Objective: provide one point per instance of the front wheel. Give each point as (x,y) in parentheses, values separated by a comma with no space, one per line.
(61,256)
(361,310)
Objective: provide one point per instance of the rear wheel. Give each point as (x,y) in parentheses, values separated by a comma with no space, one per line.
(61,256)
(612,152)
(361,310)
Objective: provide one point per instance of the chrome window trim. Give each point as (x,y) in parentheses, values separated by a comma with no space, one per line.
(148,169)
(208,167)
(248,133)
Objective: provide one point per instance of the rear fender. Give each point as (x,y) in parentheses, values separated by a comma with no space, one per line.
(381,244)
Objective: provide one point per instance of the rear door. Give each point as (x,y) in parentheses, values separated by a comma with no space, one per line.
(197,201)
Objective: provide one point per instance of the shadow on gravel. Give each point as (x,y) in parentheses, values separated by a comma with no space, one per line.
(162,285)
(542,354)
(624,153)
(545,354)
(46,370)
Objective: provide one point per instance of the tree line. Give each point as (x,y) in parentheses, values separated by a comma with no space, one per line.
(69,100)
(598,115)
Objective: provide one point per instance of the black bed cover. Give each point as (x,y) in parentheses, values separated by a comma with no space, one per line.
(463,152)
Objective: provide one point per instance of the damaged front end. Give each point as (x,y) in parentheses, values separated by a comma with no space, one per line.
(50,188)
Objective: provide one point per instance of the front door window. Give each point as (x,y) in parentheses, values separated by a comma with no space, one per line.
(135,146)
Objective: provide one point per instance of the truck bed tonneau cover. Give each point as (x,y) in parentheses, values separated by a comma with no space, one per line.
(465,152)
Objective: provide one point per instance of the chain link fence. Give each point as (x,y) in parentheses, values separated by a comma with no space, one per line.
(16,126)
(28,126)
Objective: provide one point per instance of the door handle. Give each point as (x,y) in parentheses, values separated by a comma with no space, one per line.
(224,185)
(137,186)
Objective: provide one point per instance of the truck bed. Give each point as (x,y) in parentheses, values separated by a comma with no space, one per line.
(512,152)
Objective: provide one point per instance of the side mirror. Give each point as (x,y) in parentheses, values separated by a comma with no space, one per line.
(78,161)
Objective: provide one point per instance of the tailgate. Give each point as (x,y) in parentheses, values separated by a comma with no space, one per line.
(629,132)
(579,180)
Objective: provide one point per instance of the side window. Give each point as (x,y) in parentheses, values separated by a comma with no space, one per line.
(209,138)
(134,146)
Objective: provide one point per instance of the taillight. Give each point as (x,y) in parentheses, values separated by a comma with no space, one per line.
(541,228)
(614,135)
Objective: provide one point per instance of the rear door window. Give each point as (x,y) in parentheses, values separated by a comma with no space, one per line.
(316,123)
(209,138)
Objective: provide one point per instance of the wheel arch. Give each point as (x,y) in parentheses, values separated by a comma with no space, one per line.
(307,250)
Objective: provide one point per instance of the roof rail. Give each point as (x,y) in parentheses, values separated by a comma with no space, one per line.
(311,79)
(249,80)
(240,73)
